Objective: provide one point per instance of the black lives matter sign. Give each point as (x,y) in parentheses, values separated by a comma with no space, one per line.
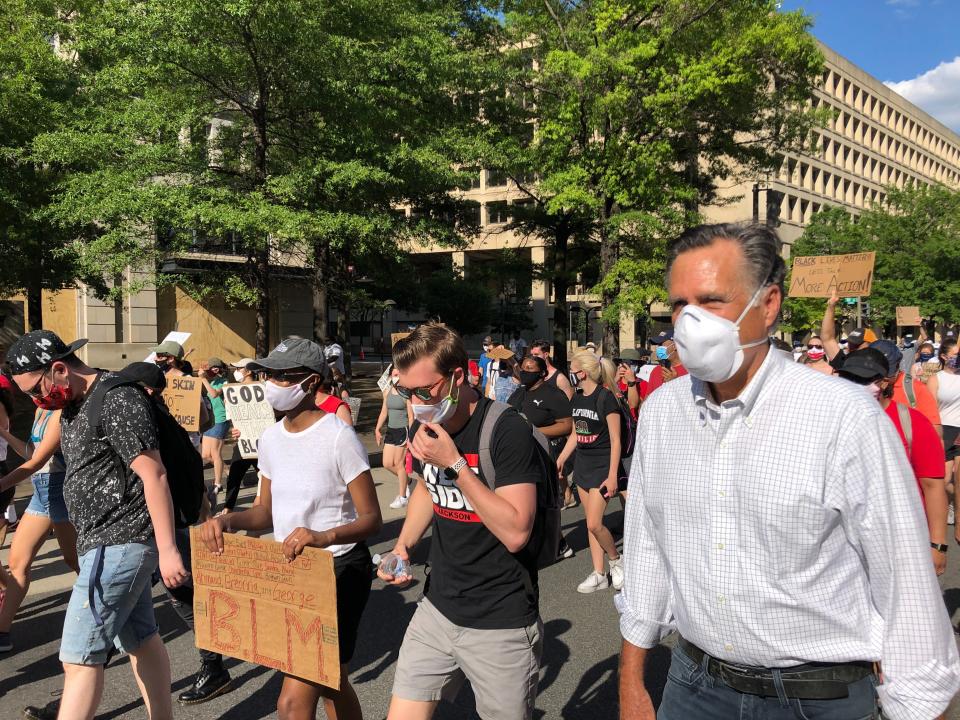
(251,414)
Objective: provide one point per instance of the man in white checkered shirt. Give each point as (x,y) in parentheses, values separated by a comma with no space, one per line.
(773,521)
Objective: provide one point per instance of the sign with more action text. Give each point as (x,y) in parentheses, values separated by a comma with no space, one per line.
(908,316)
(822,275)
(250,603)
(182,396)
(247,408)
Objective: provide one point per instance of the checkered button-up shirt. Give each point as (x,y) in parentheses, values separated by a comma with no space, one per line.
(785,527)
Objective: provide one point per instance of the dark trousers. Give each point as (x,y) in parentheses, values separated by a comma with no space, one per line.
(238,468)
(692,693)
(182,597)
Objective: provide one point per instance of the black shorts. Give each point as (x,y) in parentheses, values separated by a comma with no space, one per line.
(354,573)
(590,471)
(6,497)
(395,436)
(950,447)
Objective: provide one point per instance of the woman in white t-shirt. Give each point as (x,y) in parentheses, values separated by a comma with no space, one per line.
(945,386)
(316,490)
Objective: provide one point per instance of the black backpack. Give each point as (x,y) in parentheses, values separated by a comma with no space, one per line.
(628,427)
(544,544)
(183,463)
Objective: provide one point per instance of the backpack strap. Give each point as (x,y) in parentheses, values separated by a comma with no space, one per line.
(95,402)
(908,388)
(491,414)
(906,424)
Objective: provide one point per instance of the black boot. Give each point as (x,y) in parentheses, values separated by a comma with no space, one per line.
(212,680)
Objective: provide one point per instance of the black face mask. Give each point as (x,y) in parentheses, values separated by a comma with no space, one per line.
(528,379)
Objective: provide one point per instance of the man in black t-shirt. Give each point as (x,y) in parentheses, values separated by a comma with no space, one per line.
(118,499)
(479,618)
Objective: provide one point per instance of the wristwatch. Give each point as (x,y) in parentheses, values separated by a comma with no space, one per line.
(940,547)
(454,470)
(631,384)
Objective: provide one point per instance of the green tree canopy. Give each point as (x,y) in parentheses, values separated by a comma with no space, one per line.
(641,108)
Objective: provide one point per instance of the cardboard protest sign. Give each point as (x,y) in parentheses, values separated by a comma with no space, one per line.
(384,381)
(250,603)
(908,316)
(182,396)
(397,337)
(247,408)
(821,275)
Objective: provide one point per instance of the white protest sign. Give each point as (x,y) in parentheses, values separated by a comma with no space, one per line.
(247,408)
(384,382)
(177,337)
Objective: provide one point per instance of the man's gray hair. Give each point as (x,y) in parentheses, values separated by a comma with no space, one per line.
(760,244)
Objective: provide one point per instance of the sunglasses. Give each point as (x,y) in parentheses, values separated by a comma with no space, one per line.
(814,347)
(424,393)
(35,390)
(289,376)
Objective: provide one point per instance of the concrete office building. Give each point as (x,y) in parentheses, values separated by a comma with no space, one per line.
(877,139)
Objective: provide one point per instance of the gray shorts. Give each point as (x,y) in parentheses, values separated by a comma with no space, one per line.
(503,666)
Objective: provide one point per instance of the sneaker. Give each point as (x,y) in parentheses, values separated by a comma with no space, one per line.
(951,514)
(565,550)
(616,573)
(595,581)
(47,712)
(6,645)
(398,502)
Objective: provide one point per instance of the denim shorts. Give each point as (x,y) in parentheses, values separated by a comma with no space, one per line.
(123,598)
(218,431)
(47,500)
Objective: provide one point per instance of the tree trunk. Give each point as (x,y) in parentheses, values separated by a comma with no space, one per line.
(560,281)
(321,295)
(609,253)
(261,272)
(35,306)
(261,275)
(343,329)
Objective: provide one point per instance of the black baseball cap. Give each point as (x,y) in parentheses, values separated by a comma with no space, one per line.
(37,350)
(628,354)
(293,353)
(891,352)
(662,337)
(866,364)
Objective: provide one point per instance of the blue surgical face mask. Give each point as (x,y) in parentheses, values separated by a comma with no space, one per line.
(662,353)
(925,357)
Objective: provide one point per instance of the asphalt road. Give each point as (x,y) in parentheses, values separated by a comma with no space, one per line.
(578,676)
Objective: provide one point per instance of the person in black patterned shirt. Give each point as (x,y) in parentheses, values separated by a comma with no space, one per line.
(117,495)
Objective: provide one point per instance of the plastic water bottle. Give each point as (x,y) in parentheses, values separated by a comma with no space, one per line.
(392,564)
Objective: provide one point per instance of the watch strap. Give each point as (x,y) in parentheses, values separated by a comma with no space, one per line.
(940,547)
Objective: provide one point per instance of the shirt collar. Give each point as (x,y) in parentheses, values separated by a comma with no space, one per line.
(771,367)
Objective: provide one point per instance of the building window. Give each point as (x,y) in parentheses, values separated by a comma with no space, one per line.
(496,178)
(497,212)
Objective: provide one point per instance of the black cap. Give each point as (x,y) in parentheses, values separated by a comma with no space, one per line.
(293,353)
(865,364)
(631,355)
(855,337)
(145,373)
(37,350)
(662,337)
(891,352)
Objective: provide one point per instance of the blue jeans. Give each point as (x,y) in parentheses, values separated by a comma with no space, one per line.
(691,694)
(123,601)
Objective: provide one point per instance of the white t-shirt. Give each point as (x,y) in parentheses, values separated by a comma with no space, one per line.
(948,398)
(309,473)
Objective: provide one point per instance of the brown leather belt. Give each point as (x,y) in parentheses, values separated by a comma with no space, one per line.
(813,681)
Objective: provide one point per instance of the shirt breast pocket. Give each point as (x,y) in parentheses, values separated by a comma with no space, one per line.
(785,521)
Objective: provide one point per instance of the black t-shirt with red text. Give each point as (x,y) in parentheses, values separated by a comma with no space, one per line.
(474,580)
